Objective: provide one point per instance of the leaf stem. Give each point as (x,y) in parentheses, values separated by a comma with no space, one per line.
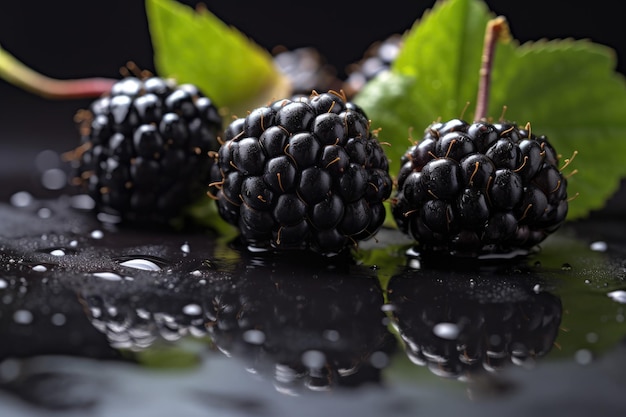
(497,29)
(17,73)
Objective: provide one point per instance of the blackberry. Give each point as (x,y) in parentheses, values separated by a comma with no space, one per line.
(377,58)
(306,68)
(146,147)
(476,188)
(302,173)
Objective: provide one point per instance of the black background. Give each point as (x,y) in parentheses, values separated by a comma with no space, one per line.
(78,38)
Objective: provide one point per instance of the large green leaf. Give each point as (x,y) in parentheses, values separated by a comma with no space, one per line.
(194,46)
(566,89)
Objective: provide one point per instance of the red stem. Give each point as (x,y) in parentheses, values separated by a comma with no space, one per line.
(497,29)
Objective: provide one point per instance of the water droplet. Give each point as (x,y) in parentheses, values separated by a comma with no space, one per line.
(57,252)
(592,337)
(254,337)
(47,159)
(313,359)
(618,295)
(3,284)
(108,218)
(73,243)
(379,360)
(108,276)
(583,357)
(82,202)
(9,369)
(196,273)
(58,319)
(448,331)
(566,267)
(192,310)
(97,234)
(537,288)
(40,268)
(598,246)
(44,213)
(388,307)
(143,264)
(185,248)
(331,335)
(54,179)
(22,199)
(23,317)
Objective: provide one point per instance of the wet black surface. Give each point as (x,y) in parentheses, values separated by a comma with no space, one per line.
(105,318)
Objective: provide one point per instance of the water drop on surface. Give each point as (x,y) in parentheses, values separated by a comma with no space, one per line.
(143,264)
(566,267)
(192,310)
(185,248)
(313,359)
(58,319)
(331,335)
(22,199)
(96,234)
(40,268)
(598,246)
(44,213)
(3,284)
(10,369)
(57,252)
(379,360)
(254,337)
(23,317)
(618,295)
(108,276)
(583,357)
(54,179)
(448,331)
(82,202)
(47,159)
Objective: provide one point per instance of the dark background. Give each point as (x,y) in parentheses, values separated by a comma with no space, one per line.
(78,38)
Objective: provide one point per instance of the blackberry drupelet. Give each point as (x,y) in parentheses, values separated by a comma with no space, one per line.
(472,189)
(303,173)
(146,148)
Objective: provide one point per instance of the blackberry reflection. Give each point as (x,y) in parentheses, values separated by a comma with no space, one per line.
(462,324)
(305,324)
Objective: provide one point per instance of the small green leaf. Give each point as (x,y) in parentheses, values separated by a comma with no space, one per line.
(194,46)
(566,89)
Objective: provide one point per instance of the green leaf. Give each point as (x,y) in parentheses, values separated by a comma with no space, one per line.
(566,89)
(194,46)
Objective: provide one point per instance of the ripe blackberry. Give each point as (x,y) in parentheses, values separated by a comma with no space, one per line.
(477,188)
(145,148)
(302,173)
(376,59)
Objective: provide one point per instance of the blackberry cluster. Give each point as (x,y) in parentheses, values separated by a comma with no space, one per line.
(376,59)
(476,188)
(302,173)
(145,148)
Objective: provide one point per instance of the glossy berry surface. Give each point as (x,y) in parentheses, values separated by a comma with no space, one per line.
(472,189)
(302,173)
(146,148)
